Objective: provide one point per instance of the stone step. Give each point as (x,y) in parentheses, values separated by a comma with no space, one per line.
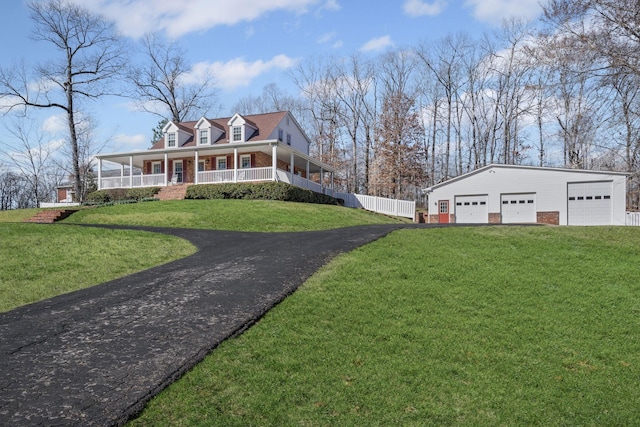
(50,216)
(174,192)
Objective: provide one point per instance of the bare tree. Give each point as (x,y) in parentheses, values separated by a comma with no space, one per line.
(12,190)
(610,28)
(165,85)
(90,56)
(271,99)
(32,158)
(443,59)
(314,79)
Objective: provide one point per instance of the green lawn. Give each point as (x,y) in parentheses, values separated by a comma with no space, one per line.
(41,261)
(456,326)
(244,215)
(18,215)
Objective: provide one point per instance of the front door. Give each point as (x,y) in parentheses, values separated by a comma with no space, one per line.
(177,170)
(443,211)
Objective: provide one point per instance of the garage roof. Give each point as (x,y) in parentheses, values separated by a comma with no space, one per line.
(501,166)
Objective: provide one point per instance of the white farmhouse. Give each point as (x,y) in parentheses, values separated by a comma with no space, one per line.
(503,194)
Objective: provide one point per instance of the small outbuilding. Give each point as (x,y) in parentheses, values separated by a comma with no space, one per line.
(507,194)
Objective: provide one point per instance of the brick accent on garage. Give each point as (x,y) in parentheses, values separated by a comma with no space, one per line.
(552,218)
(495,218)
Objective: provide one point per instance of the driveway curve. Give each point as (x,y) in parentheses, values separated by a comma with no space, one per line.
(94,357)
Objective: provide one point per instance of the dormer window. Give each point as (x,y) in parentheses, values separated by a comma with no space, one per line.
(171,139)
(237,134)
(204,136)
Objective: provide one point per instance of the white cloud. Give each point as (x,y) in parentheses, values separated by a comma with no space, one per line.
(495,11)
(131,142)
(377,43)
(415,8)
(137,17)
(238,72)
(327,37)
(330,37)
(55,124)
(332,5)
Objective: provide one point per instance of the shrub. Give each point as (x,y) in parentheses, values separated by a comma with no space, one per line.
(258,191)
(142,193)
(121,195)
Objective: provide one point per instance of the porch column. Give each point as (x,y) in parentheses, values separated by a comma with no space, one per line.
(99,174)
(322,179)
(130,171)
(235,164)
(121,175)
(195,168)
(274,162)
(331,183)
(307,173)
(166,169)
(291,166)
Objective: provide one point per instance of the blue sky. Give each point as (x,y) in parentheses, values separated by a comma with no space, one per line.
(251,43)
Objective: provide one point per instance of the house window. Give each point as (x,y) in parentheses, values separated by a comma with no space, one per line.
(280,134)
(221,163)
(200,165)
(237,134)
(156,168)
(245,161)
(171,139)
(204,136)
(288,139)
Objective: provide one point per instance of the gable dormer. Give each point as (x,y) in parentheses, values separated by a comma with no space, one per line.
(175,136)
(240,129)
(207,132)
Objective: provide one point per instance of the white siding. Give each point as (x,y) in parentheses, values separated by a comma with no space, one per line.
(549,185)
(298,139)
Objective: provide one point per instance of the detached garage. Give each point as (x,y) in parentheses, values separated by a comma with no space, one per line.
(507,194)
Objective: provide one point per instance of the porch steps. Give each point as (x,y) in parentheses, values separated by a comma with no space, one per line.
(49,216)
(172,192)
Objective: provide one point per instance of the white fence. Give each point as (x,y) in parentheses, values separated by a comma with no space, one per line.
(633,218)
(393,207)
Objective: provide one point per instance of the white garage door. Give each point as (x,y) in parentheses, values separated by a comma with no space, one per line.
(472,210)
(590,203)
(518,208)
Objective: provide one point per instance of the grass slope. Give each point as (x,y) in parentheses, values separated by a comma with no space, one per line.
(455,326)
(42,261)
(18,215)
(244,215)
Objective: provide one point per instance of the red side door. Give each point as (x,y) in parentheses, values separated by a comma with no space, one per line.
(443,212)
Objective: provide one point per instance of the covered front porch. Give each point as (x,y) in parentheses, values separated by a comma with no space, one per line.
(225,163)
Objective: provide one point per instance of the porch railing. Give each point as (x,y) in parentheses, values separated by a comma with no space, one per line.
(216,177)
(255,174)
(212,177)
(155,180)
(632,218)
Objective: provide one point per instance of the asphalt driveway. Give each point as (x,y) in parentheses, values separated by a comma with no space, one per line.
(94,357)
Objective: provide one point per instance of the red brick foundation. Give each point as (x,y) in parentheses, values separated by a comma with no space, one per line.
(552,218)
(495,218)
(433,219)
